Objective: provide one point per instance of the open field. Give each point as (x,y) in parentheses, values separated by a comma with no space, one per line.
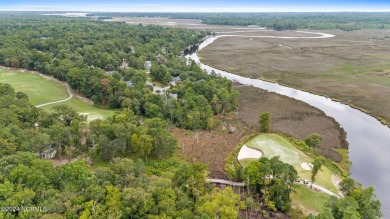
(353,67)
(274,145)
(35,86)
(38,89)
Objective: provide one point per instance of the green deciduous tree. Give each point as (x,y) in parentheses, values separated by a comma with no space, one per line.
(220,203)
(253,177)
(191,178)
(264,122)
(313,140)
(317,164)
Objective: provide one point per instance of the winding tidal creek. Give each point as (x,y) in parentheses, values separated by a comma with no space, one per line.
(369,140)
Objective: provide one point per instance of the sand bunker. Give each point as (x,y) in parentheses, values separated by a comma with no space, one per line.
(246,153)
(307,166)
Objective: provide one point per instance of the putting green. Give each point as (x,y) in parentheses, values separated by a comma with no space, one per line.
(43,90)
(275,145)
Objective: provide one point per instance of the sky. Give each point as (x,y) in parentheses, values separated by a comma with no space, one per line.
(196,5)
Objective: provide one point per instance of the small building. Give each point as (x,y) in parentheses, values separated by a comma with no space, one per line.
(49,153)
(129,83)
(124,64)
(148,65)
(173,96)
(175,80)
(160,58)
(132,48)
(167,96)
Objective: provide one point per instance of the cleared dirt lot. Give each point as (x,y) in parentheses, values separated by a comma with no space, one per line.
(353,66)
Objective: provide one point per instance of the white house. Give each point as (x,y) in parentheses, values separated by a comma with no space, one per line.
(47,154)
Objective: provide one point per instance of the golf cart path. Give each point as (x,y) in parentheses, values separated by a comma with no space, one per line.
(59,101)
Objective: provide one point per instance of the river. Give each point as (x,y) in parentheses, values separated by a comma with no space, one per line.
(369,140)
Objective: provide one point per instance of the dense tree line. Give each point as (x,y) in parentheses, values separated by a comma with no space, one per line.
(81,50)
(26,128)
(122,188)
(358,202)
(98,58)
(273,191)
(347,21)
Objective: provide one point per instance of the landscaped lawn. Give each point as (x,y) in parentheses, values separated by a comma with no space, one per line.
(39,89)
(274,145)
(81,106)
(42,90)
(307,200)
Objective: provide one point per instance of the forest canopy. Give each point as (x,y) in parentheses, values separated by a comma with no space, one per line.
(347,21)
(107,61)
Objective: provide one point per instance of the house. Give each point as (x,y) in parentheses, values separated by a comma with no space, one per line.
(48,153)
(129,84)
(124,64)
(164,50)
(132,48)
(175,80)
(160,58)
(173,96)
(148,65)
(166,96)
(181,55)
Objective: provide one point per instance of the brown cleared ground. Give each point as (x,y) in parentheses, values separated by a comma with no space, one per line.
(292,117)
(213,147)
(353,67)
(288,116)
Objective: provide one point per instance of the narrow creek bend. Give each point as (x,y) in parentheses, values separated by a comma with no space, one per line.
(369,140)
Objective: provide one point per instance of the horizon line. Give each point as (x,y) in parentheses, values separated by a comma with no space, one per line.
(162,12)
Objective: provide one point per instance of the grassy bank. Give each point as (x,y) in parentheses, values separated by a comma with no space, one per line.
(44,89)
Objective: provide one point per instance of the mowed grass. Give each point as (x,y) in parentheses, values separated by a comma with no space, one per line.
(84,107)
(309,201)
(274,145)
(39,89)
(42,90)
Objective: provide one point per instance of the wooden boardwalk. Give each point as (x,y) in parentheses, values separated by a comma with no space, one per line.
(226,182)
